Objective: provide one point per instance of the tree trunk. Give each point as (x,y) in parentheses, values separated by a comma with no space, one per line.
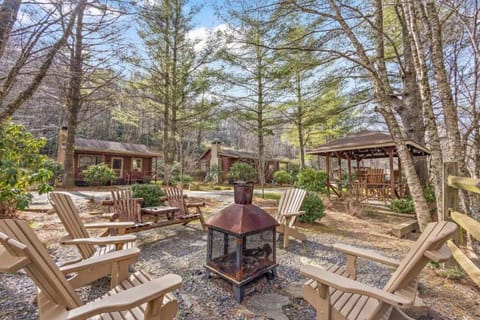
(74,99)
(412,114)
(301,141)
(455,152)
(421,207)
(8,17)
(421,70)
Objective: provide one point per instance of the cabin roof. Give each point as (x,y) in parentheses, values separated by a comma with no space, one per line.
(104,146)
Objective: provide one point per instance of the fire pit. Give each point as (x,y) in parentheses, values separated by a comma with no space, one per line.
(241,245)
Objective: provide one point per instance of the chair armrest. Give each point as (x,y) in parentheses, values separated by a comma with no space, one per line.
(128,299)
(109,225)
(352,286)
(106,258)
(102,240)
(195,204)
(293,214)
(367,254)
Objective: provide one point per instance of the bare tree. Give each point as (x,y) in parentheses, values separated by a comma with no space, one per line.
(35,44)
(95,47)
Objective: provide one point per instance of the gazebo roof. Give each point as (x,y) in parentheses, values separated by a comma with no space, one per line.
(366,145)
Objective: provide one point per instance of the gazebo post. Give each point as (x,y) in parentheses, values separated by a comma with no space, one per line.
(399,164)
(327,167)
(339,162)
(392,175)
(349,163)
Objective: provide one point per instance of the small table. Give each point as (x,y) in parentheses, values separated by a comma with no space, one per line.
(156,211)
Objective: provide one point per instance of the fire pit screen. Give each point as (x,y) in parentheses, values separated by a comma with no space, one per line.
(241,245)
(256,254)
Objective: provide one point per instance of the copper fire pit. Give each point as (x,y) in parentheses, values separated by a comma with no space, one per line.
(241,245)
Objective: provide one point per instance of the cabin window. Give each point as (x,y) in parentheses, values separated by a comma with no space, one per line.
(117,166)
(137,164)
(84,161)
(203,165)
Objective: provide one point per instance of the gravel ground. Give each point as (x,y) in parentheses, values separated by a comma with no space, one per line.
(182,250)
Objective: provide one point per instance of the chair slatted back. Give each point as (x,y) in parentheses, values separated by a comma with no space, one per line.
(125,209)
(432,239)
(290,202)
(120,194)
(20,241)
(128,209)
(68,214)
(375,176)
(174,198)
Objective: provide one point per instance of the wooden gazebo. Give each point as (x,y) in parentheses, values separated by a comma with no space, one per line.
(366,145)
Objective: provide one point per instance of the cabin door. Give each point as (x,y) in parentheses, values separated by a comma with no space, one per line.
(117,166)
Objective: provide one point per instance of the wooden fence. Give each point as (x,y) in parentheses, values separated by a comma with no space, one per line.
(467,225)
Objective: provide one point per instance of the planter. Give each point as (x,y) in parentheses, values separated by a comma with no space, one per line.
(243,192)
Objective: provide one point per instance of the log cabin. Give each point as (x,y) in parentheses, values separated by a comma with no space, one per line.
(132,163)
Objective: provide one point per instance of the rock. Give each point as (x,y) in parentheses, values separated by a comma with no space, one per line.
(244,313)
(271,305)
(189,300)
(295,290)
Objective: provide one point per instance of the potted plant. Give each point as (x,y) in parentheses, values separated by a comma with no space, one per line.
(243,176)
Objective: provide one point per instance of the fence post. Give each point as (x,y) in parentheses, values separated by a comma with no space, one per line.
(451,199)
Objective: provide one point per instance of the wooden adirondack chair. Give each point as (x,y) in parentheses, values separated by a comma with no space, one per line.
(174,198)
(136,297)
(288,211)
(125,209)
(77,233)
(335,294)
(114,264)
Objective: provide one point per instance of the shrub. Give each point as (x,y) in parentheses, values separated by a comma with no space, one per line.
(187,179)
(214,172)
(313,207)
(429,194)
(56,168)
(241,171)
(402,205)
(312,180)
(99,175)
(282,176)
(293,170)
(21,167)
(150,193)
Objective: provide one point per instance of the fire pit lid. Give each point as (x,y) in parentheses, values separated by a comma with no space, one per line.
(241,219)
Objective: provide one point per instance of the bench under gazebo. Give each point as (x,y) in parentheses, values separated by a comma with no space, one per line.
(368,182)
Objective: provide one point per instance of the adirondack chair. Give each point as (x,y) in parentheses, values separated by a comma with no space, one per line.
(174,198)
(287,213)
(77,233)
(375,184)
(114,264)
(335,294)
(125,209)
(136,297)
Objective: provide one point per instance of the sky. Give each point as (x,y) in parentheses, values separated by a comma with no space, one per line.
(203,22)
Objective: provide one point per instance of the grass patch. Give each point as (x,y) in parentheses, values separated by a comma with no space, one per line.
(267,195)
(452,273)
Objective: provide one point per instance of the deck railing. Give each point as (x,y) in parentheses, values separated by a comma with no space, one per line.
(467,225)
